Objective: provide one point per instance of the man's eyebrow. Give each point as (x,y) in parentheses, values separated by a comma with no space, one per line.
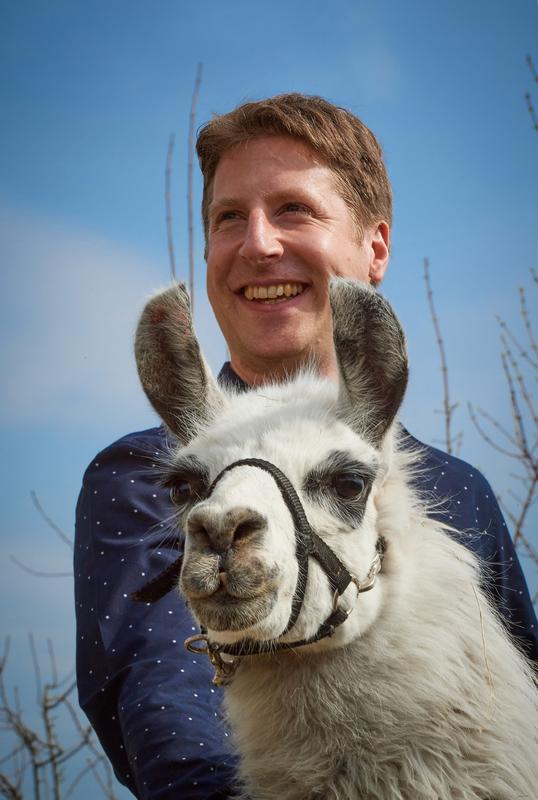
(298,193)
(224,202)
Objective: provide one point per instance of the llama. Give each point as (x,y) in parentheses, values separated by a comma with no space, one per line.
(361,657)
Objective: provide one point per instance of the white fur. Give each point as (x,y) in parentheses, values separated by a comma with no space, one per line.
(420,695)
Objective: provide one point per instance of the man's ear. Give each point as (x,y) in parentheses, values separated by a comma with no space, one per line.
(378,239)
(371,352)
(171,367)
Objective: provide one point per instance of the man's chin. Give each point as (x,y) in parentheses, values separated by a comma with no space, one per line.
(267,364)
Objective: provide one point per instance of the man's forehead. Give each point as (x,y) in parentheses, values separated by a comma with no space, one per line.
(275,146)
(279,152)
(274,166)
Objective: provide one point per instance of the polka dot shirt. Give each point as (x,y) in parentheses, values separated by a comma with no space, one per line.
(151,702)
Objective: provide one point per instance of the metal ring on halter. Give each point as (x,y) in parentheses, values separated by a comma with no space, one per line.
(308,544)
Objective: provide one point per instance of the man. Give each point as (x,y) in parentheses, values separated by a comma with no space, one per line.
(295,191)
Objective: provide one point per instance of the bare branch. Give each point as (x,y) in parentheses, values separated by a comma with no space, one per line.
(37,572)
(531,67)
(485,436)
(520,435)
(532,112)
(37,668)
(509,335)
(43,754)
(50,522)
(52,659)
(168,205)
(525,394)
(448,407)
(528,98)
(526,320)
(90,764)
(192,124)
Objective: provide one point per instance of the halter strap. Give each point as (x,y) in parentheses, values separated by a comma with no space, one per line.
(307,543)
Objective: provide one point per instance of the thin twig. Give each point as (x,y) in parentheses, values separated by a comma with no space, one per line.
(52,659)
(527,322)
(50,522)
(448,407)
(37,668)
(192,123)
(44,755)
(520,380)
(520,434)
(168,205)
(532,112)
(90,763)
(38,572)
(524,436)
(528,98)
(523,352)
(531,67)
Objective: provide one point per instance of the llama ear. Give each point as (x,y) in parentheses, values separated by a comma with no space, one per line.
(371,351)
(171,367)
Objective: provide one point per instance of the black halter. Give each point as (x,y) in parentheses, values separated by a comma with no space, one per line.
(307,543)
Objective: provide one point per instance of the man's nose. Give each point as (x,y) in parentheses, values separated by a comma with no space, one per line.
(262,242)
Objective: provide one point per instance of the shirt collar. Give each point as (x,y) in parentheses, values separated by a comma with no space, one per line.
(228,378)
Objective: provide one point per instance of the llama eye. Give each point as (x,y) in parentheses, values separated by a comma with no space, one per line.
(181,492)
(348,485)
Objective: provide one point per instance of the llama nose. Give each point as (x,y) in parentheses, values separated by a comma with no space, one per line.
(220,529)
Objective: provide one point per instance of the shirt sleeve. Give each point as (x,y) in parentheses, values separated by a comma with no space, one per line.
(504,576)
(468,504)
(150,702)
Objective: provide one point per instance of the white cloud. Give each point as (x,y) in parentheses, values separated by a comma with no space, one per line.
(71,301)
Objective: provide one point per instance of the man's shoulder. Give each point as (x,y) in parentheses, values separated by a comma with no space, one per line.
(437,464)
(138,449)
(137,440)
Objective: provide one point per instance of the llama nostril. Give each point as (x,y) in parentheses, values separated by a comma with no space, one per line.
(243,530)
(221,530)
(246,522)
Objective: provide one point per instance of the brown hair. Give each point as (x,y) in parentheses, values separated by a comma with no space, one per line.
(344,143)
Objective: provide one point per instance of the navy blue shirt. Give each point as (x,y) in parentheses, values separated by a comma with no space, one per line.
(151,702)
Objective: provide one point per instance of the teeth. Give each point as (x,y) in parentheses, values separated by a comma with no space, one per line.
(271,293)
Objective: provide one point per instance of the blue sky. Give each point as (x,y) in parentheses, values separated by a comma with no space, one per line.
(90,94)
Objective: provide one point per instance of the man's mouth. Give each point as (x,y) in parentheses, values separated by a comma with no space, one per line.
(276,293)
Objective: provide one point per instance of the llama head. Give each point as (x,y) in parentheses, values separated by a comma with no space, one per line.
(240,569)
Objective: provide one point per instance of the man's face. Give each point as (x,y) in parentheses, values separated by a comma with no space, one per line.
(278,230)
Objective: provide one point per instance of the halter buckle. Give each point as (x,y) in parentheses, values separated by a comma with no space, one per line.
(191,641)
(224,670)
(369,582)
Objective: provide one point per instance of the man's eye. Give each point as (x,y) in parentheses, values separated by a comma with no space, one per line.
(181,492)
(225,216)
(348,485)
(296,208)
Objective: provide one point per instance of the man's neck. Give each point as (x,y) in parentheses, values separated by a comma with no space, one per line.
(282,371)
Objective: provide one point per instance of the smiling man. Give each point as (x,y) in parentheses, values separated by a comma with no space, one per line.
(278,229)
(295,191)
